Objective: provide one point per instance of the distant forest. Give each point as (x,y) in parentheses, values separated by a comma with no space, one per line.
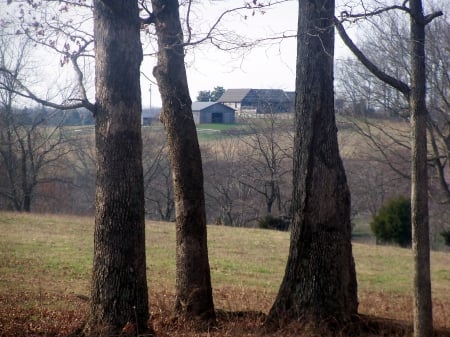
(54,117)
(71,117)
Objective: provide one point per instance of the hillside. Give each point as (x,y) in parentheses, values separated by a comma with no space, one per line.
(45,263)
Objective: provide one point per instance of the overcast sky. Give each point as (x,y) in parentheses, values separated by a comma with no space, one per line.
(265,66)
(268,66)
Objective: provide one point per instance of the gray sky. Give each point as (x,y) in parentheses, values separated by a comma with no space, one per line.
(268,65)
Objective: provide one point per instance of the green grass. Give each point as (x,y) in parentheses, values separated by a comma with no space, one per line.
(218,127)
(361,231)
(45,269)
(46,249)
(205,132)
(36,251)
(208,132)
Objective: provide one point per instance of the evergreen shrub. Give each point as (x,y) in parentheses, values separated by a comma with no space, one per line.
(272,222)
(392,223)
(446,236)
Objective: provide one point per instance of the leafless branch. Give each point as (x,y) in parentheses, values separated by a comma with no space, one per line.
(226,41)
(27,93)
(438,161)
(150,17)
(188,24)
(428,18)
(367,131)
(345,15)
(397,84)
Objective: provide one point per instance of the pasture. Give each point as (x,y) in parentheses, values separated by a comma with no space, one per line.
(45,265)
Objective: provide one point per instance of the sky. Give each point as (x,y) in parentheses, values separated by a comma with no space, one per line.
(268,65)
(271,65)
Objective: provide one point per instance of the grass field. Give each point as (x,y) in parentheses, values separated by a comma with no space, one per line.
(45,265)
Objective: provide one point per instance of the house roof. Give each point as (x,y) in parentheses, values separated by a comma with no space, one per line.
(269,95)
(233,95)
(199,106)
(290,95)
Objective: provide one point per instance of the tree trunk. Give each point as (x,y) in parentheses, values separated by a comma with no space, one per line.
(26,200)
(119,296)
(193,280)
(423,309)
(423,317)
(319,284)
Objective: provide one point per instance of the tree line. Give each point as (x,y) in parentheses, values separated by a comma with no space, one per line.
(248,171)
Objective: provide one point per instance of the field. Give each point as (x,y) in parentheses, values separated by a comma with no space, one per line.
(45,263)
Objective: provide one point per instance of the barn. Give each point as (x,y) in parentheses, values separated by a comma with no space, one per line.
(251,102)
(212,112)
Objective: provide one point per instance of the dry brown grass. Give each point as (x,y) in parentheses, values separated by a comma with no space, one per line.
(35,314)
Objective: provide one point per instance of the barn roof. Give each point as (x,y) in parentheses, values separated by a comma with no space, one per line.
(269,95)
(290,95)
(234,95)
(199,106)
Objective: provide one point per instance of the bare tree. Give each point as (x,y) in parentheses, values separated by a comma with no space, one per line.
(416,96)
(438,103)
(193,281)
(372,183)
(230,202)
(364,95)
(159,196)
(83,167)
(269,144)
(319,284)
(33,144)
(119,296)
(390,35)
(119,288)
(33,154)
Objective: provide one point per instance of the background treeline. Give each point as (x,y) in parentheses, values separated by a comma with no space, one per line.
(50,167)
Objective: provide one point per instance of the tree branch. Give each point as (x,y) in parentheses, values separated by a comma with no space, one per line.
(27,93)
(71,33)
(80,77)
(428,18)
(346,15)
(150,18)
(397,84)
(208,35)
(188,24)
(215,38)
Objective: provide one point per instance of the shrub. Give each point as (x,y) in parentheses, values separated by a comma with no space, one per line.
(392,223)
(271,222)
(446,235)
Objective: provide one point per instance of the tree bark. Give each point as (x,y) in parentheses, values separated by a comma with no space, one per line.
(193,280)
(423,316)
(320,280)
(119,298)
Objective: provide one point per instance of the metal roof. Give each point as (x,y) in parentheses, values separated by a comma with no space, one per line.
(199,106)
(269,95)
(233,95)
